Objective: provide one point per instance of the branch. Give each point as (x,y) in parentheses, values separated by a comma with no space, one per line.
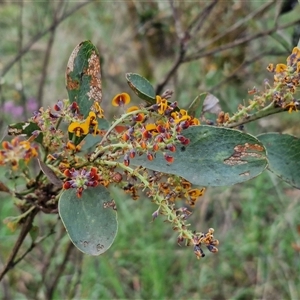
(60,269)
(184,39)
(238,42)
(236,25)
(244,64)
(26,227)
(38,36)
(47,57)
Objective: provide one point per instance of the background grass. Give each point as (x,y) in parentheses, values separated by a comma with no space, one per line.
(256,222)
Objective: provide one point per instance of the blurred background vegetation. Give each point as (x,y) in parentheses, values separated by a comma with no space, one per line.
(189,47)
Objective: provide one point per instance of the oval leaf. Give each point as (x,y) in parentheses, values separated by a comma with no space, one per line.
(215,157)
(91,221)
(142,87)
(49,173)
(83,77)
(284,156)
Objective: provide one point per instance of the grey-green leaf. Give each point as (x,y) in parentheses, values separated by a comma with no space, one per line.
(215,157)
(142,87)
(91,221)
(284,156)
(83,77)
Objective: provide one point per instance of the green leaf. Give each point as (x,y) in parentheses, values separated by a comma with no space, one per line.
(25,128)
(215,157)
(142,87)
(34,233)
(49,174)
(195,107)
(90,221)
(83,77)
(283,152)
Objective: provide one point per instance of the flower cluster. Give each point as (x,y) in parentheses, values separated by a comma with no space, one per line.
(144,136)
(81,179)
(208,240)
(286,81)
(16,151)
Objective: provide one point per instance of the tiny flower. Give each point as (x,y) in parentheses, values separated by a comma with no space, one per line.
(146,134)
(162,104)
(121,99)
(125,137)
(132,108)
(59,105)
(81,179)
(79,129)
(139,117)
(155,215)
(126,160)
(280,68)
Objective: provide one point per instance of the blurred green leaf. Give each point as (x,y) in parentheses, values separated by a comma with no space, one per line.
(195,107)
(215,157)
(91,221)
(283,152)
(83,77)
(142,87)
(25,128)
(49,173)
(34,233)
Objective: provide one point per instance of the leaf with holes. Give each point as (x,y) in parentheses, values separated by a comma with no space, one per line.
(283,155)
(214,157)
(25,128)
(83,77)
(142,87)
(91,221)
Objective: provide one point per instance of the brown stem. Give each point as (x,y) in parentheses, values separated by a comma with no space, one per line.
(60,270)
(184,39)
(47,58)
(24,231)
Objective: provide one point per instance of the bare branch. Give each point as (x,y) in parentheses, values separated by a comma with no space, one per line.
(38,36)
(239,42)
(24,231)
(47,56)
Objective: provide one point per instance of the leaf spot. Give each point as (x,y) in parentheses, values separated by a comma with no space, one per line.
(243,151)
(99,247)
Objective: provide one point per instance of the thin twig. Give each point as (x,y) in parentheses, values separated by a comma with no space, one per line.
(32,246)
(184,39)
(21,91)
(47,57)
(59,271)
(38,36)
(244,64)
(201,17)
(24,231)
(49,260)
(238,42)
(236,25)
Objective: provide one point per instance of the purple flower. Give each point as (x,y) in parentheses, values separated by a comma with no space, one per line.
(31,104)
(12,109)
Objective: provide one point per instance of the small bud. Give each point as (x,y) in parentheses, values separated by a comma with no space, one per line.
(150,156)
(171,147)
(132,153)
(169,158)
(117,177)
